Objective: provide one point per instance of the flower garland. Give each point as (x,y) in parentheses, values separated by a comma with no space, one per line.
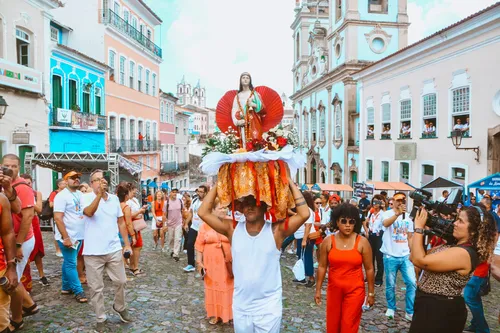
(275,139)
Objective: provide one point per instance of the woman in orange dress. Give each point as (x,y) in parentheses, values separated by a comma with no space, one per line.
(345,253)
(212,252)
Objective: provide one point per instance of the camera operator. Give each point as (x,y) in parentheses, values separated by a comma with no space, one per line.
(439,305)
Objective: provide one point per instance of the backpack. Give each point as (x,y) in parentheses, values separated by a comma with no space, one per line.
(47,211)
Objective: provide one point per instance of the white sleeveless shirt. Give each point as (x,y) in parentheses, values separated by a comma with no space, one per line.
(257,272)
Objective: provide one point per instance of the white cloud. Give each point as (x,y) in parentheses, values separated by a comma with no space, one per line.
(217,40)
(428,17)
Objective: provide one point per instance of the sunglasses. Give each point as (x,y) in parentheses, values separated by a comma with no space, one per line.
(403,201)
(74,177)
(347,221)
(377,202)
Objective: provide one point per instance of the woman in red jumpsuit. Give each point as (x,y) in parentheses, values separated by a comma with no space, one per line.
(345,253)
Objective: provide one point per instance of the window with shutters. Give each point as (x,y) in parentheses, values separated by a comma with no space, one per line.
(154,84)
(314,125)
(147,81)
(386,121)
(154,131)
(461,110)
(369,170)
(86,98)
(385,171)
(57,98)
(111,63)
(429,103)
(322,124)
(139,78)
(405,119)
(370,123)
(98,101)
(122,70)
(24,54)
(404,172)
(72,94)
(131,75)
(112,128)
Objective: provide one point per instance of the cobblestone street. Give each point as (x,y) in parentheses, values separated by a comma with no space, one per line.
(167,299)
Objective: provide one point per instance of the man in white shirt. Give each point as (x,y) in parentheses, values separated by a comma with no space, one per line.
(195,226)
(68,216)
(398,230)
(103,250)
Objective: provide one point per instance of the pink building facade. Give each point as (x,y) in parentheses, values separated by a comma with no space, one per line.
(132,95)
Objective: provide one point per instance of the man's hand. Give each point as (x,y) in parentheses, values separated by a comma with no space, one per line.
(19,253)
(129,249)
(304,242)
(6,183)
(12,276)
(401,210)
(67,242)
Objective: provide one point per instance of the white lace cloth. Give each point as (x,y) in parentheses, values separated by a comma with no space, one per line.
(295,158)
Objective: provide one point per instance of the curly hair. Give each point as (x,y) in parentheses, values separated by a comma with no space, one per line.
(345,210)
(482,234)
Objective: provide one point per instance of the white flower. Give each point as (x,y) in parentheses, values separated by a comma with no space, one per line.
(265,136)
(279,132)
(272,139)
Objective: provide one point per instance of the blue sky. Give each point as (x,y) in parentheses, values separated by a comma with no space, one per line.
(215,40)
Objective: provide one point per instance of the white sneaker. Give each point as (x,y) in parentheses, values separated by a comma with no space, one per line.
(185,251)
(389,314)
(162,249)
(408,316)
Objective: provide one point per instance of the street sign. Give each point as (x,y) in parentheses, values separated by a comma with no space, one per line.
(363,188)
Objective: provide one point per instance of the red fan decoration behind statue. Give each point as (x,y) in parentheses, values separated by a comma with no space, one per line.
(273,109)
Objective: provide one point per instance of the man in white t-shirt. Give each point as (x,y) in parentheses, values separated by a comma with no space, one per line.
(103,250)
(68,216)
(195,226)
(398,230)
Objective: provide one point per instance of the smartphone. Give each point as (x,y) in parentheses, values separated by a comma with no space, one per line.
(75,244)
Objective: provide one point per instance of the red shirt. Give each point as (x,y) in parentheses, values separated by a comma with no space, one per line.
(52,196)
(482,270)
(3,263)
(25,194)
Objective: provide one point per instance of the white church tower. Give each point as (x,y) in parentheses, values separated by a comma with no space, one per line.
(193,96)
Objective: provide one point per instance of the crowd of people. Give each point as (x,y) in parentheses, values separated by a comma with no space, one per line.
(237,253)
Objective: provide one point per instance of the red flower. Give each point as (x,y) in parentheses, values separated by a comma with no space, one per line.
(282,141)
(249,146)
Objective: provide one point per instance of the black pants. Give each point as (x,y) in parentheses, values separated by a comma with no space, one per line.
(185,235)
(376,244)
(438,314)
(191,239)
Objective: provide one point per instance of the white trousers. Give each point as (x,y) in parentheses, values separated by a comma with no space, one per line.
(269,323)
(27,247)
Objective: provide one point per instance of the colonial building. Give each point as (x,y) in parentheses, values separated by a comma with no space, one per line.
(333,40)
(412,101)
(24,80)
(288,116)
(194,96)
(174,138)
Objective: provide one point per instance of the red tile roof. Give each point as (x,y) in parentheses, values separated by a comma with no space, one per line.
(470,17)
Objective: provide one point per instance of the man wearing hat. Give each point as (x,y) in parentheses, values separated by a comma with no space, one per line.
(398,230)
(68,216)
(173,215)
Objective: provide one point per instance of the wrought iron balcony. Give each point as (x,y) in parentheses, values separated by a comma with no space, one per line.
(115,20)
(133,146)
(77,120)
(174,167)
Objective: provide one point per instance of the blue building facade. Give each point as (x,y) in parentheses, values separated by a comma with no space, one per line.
(333,40)
(77,118)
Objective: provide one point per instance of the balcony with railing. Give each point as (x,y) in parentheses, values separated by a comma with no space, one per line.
(77,120)
(114,20)
(173,167)
(133,146)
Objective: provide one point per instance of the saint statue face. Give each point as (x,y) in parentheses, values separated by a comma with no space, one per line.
(245,81)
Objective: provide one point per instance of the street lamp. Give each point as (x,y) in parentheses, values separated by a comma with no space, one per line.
(456,138)
(3,107)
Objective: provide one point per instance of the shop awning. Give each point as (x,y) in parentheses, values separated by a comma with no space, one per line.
(391,186)
(441,182)
(335,187)
(490,183)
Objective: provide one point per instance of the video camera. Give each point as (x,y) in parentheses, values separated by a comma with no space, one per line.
(436,221)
